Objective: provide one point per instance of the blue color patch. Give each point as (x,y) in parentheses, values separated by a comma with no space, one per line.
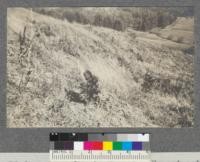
(137,145)
(126,145)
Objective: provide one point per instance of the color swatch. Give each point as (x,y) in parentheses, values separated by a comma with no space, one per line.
(117,146)
(107,146)
(99,145)
(99,137)
(104,142)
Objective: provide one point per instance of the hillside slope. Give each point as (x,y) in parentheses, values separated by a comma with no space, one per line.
(182,30)
(141,83)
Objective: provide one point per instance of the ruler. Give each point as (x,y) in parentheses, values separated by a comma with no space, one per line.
(156,157)
(99,156)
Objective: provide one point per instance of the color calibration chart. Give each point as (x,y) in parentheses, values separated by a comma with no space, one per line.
(99,147)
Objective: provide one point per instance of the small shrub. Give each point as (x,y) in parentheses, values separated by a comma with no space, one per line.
(23,46)
(174,86)
(155,82)
(148,82)
(122,62)
(189,50)
(186,117)
(47,30)
(132,35)
(170,37)
(69,16)
(71,49)
(98,20)
(74,96)
(139,57)
(118,25)
(108,22)
(180,40)
(90,89)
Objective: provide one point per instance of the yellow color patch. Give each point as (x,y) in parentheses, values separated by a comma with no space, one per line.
(107,146)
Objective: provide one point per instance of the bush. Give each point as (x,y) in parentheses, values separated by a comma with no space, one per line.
(98,20)
(173,86)
(74,96)
(118,25)
(90,89)
(108,22)
(158,83)
(180,39)
(190,50)
(170,37)
(69,16)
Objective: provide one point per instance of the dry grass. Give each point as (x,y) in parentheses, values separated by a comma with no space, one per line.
(61,53)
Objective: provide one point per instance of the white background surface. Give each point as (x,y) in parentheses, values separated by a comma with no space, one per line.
(44,157)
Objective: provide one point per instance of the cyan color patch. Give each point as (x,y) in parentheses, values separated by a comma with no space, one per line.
(126,145)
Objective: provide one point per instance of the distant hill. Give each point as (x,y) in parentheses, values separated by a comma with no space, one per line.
(120,18)
(182,31)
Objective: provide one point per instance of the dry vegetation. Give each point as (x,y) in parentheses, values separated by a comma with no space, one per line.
(67,73)
(114,18)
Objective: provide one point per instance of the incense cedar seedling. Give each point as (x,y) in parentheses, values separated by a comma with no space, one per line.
(89,90)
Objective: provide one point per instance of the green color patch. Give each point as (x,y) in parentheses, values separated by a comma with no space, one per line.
(117,145)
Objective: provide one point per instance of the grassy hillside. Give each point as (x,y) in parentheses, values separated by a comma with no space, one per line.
(143,79)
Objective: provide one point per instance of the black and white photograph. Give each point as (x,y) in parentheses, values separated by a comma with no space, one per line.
(90,67)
